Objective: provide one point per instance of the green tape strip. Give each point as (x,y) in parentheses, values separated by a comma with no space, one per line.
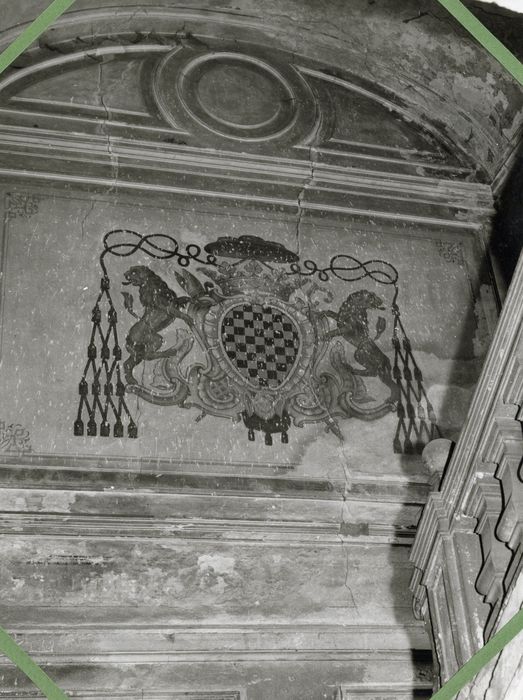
(25,663)
(33,31)
(481,658)
(7,645)
(485,38)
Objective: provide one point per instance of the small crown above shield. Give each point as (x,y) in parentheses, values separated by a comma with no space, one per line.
(252,276)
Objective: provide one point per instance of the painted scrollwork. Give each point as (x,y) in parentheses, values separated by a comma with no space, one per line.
(252,337)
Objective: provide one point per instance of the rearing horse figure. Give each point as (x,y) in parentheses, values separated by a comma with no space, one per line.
(353,326)
(161,306)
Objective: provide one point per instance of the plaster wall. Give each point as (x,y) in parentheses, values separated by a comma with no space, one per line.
(191,560)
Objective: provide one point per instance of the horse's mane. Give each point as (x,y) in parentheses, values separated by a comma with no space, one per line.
(153,287)
(355,299)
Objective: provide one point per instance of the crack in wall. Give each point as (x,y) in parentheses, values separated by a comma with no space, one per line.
(300,200)
(113,157)
(347,574)
(87,215)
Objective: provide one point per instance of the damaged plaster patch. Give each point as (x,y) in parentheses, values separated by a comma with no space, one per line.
(215,572)
(354,529)
(219,563)
(55,501)
(58,501)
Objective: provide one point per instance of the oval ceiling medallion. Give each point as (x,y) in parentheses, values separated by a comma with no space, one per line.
(234,95)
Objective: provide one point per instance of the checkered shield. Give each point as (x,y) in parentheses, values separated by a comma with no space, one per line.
(262,343)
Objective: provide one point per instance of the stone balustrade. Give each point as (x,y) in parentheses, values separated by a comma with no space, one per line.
(468,551)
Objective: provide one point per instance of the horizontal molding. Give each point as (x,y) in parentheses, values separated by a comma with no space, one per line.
(85,474)
(108,643)
(111,183)
(171,158)
(149,694)
(305,184)
(392,690)
(148,465)
(237,627)
(262,532)
(148,134)
(233,656)
(354,515)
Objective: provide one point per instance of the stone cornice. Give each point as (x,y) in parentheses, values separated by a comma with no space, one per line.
(142,476)
(179,641)
(300,534)
(361,185)
(152,694)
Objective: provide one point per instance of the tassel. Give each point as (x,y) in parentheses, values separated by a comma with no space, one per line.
(96,315)
(99,375)
(431,414)
(408,447)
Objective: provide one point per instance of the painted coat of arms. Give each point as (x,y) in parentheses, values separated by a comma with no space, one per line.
(250,334)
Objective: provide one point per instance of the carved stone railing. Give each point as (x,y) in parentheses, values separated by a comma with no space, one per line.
(468,550)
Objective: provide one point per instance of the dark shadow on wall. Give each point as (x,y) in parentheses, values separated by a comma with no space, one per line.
(507,233)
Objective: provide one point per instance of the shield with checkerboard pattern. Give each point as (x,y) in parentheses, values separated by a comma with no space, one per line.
(262,343)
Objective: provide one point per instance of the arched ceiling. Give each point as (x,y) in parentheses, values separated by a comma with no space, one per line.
(411,57)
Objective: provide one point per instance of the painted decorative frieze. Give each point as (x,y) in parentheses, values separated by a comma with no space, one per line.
(278,352)
(192,334)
